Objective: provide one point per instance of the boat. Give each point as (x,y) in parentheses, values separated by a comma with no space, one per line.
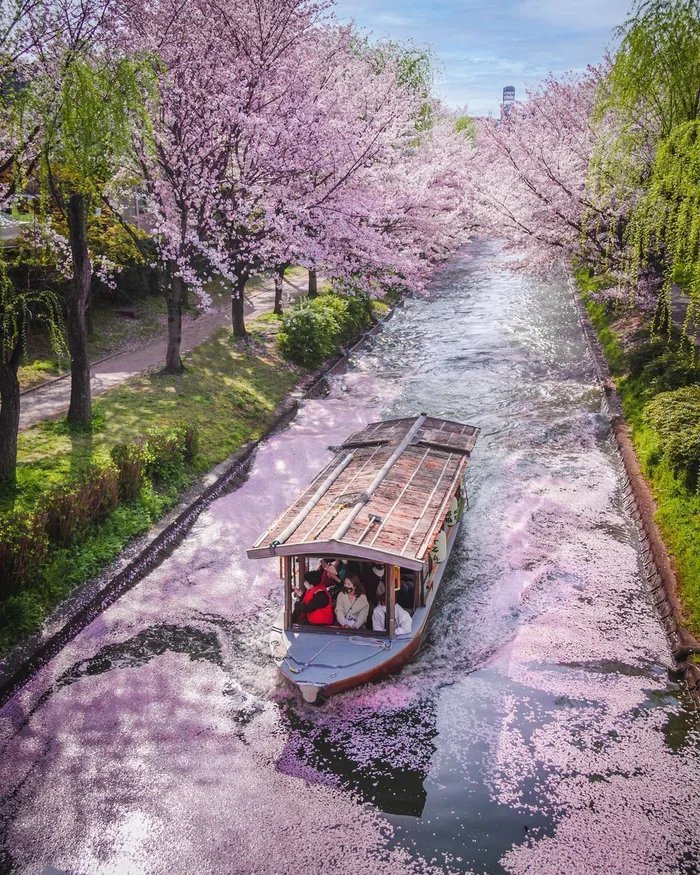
(387,507)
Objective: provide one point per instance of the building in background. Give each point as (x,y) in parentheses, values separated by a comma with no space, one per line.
(508,99)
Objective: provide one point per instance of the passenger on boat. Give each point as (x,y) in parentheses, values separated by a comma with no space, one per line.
(352,607)
(402,618)
(333,575)
(315,606)
(374,582)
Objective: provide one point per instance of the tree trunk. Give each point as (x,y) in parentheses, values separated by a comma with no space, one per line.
(9,420)
(313,284)
(173,297)
(279,279)
(80,409)
(237,301)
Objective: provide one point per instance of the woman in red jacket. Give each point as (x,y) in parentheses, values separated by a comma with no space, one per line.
(314,606)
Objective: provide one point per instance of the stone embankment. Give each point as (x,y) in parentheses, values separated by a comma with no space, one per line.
(658,567)
(147,552)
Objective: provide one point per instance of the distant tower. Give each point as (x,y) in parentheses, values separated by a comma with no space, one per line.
(508,98)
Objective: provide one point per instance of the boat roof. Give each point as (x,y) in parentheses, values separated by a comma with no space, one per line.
(383,496)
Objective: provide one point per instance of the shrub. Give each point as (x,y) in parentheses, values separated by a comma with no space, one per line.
(130,461)
(314,328)
(23,546)
(71,510)
(308,333)
(676,418)
(165,452)
(641,356)
(360,311)
(669,371)
(191,442)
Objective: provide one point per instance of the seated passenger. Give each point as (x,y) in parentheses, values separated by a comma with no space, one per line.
(402,618)
(352,606)
(315,605)
(405,595)
(374,582)
(333,575)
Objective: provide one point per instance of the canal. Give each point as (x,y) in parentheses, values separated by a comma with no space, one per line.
(537,731)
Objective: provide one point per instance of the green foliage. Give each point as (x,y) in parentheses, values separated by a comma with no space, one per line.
(665,225)
(655,72)
(314,328)
(24,544)
(308,333)
(676,418)
(165,452)
(130,462)
(608,339)
(97,108)
(73,509)
(18,307)
(465,124)
(650,102)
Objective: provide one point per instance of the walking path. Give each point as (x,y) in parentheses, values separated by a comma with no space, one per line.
(52,398)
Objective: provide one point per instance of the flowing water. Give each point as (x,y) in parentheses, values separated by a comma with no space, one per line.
(537,731)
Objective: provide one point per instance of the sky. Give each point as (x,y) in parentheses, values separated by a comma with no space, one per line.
(482,46)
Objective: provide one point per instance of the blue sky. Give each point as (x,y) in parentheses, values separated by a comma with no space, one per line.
(480,47)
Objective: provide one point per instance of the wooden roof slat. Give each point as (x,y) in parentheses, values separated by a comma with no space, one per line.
(411,496)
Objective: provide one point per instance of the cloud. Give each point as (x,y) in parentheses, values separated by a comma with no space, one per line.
(593,15)
(482,45)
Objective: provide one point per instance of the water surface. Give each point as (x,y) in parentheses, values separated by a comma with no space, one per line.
(537,731)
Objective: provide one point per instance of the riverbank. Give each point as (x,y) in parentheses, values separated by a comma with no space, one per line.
(644,382)
(236,394)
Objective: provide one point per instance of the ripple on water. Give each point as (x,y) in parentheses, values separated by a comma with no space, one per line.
(537,730)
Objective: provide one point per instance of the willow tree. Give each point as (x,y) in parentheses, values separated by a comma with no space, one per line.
(654,81)
(18,307)
(651,88)
(86,127)
(665,225)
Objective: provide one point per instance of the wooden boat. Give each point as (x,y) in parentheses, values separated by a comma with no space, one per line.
(392,496)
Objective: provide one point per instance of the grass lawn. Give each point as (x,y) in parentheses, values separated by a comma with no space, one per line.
(229,390)
(111,333)
(678,507)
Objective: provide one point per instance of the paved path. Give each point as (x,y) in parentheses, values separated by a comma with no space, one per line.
(52,399)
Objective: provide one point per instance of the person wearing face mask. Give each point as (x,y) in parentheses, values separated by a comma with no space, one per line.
(352,607)
(314,606)
(374,582)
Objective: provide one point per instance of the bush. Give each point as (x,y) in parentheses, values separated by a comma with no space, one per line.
(20,615)
(669,371)
(71,510)
(130,461)
(360,311)
(676,418)
(307,335)
(313,329)
(165,452)
(191,442)
(641,356)
(23,546)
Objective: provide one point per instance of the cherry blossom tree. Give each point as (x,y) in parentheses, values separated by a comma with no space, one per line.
(529,177)
(217,135)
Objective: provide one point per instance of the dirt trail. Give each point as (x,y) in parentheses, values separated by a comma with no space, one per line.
(51,399)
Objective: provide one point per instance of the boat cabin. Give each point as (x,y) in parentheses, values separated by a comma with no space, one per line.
(389,501)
